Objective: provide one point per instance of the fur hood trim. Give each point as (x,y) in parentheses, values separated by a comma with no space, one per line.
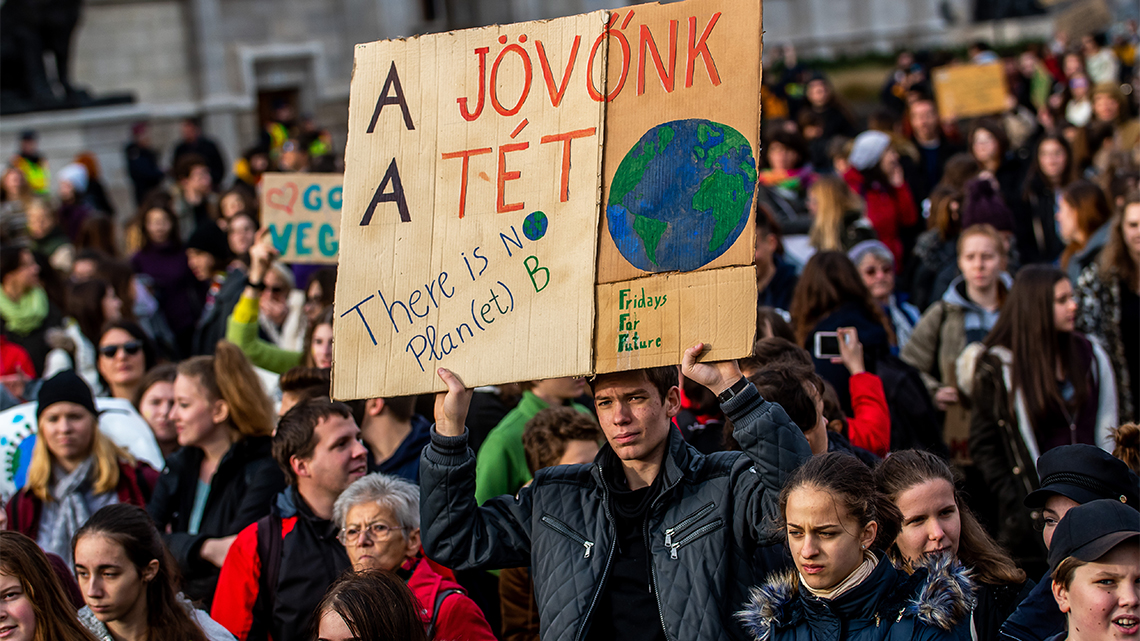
(943,598)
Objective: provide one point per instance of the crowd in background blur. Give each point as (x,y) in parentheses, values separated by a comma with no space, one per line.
(980,278)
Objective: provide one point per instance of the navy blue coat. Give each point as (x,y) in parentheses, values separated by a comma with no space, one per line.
(934,603)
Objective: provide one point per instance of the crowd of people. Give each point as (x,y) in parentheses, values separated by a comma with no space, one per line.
(936,435)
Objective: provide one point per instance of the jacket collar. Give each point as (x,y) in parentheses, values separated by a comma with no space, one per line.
(678,459)
(939,594)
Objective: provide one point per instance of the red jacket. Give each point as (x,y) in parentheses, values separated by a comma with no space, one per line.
(870,429)
(889,210)
(136,482)
(459,618)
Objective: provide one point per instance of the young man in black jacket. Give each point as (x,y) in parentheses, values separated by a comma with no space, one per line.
(653,540)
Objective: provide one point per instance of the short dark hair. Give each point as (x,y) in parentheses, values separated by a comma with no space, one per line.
(778,350)
(296,432)
(792,141)
(546,435)
(10,256)
(186,164)
(401,407)
(661,378)
(786,384)
(307,382)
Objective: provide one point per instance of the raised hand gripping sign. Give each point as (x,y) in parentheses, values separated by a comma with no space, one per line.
(302,214)
(475,197)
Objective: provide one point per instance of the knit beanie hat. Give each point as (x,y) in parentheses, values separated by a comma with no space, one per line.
(984,204)
(212,240)
(868,149)
(65,386)
(76,174)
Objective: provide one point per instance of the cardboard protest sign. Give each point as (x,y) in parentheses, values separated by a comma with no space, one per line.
(505,184)
(470,205)
(679,179)
(302,214)
(649,322)
(965,91)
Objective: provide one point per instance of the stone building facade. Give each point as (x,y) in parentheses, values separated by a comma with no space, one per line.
(223,59)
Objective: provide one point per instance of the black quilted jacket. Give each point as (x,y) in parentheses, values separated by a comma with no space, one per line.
(704,530)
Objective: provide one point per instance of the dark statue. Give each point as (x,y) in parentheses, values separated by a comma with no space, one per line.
(28,30)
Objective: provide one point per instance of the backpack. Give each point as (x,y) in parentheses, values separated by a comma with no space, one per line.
(914,419)
(439,597)
(269,545)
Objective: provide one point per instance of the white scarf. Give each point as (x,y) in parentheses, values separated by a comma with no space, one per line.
(857,576)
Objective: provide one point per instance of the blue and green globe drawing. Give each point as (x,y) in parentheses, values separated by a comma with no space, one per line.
(681,196)
(534,227)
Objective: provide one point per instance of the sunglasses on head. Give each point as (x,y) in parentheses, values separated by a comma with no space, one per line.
(131,348)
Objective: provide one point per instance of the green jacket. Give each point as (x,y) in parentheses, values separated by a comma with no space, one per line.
(241,330)
(500,467)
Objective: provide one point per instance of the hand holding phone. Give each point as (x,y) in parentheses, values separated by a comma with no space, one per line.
(826,345)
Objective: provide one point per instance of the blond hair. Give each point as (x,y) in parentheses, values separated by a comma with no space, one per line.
(833,199)
(106,454)
(228,376)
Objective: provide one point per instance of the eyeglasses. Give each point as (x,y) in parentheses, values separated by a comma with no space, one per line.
(277,290)
(378,531)
(131,348)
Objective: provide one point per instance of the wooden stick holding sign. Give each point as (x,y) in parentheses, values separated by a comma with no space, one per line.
(302,214)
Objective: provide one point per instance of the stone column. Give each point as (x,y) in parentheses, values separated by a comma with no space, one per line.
(216,97)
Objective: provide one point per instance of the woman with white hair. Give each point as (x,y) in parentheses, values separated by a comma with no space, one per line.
(379,519)
(876,265)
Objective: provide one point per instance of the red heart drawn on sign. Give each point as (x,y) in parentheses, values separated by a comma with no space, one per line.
(276,198)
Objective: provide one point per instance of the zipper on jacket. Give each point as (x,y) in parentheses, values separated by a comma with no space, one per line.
(609,560)
(564,530)
(653,566)
(687,521)
(698,533)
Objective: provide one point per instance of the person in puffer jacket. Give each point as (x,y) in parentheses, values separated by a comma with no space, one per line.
(844,586)
(653,540)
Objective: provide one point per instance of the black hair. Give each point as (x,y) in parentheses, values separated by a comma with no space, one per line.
(786,384)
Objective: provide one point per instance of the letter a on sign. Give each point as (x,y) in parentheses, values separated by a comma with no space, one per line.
(398,99)
(392,176)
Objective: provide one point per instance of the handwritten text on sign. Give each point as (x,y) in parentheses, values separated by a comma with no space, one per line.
(302,213)
(474,184)
(470,209)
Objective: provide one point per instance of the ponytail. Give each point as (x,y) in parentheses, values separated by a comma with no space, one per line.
(250,409)
(228,376)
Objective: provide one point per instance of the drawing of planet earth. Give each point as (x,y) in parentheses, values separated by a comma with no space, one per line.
(681,196)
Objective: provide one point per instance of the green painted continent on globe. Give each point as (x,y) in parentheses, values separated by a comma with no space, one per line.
(682,195)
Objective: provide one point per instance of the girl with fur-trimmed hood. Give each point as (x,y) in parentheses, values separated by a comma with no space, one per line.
(937,522)
(844,587)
